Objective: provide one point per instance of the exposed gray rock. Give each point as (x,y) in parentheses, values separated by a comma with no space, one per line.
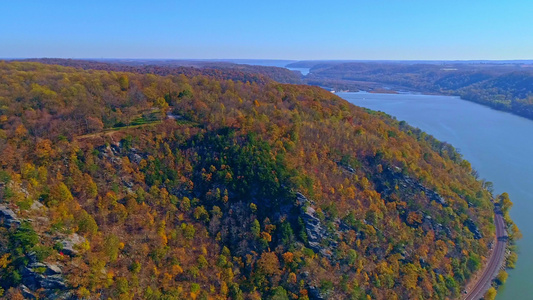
(301,199)
(53,269)
(60,295)
(115,160)
(54,282)
(39,275)
(406,184)
(314,293)
(50,269)
(473,228)
(317,234)
(135,158)
(172,116)
(127,183)
(37,265)
(346,167)
(70,243)
(31,279)
(26,293)
(433,196)
(32,255)
(36,205)
(115,148)
(8,216)
(430,224)
(343,227)
(313,228)
(491,245)
(44,278)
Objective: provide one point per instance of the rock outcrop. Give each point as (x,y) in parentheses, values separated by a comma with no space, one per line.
(346,167)
(317,236)
(440,230)
(389,179)
(315,294)
(8,216)
(473,228)
(43,278)
(70,242)
(315,232)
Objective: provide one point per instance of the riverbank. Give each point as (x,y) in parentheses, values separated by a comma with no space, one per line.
(525,112)
(478,287)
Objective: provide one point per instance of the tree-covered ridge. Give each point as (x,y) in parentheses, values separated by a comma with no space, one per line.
(215,70)
(191,187)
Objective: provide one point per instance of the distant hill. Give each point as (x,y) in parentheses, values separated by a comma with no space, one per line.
(217,70)
(506,86)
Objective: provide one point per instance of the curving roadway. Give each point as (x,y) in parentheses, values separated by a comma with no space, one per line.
(493,265)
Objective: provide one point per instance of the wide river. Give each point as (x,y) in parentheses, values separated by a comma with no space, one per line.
(499,146)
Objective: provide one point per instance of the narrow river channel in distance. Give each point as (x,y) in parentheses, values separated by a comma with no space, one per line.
(499,146)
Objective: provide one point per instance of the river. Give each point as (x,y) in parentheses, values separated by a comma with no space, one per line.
(499,146)
(304,71)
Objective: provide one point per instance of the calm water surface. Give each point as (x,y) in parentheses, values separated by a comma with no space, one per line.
(304,71)
(499,145)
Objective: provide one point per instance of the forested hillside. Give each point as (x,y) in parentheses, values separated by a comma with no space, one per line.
(507,87)
(215,70)
(194,186)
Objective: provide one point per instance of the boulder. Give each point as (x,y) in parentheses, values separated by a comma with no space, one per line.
(36,205)
(134,158)
(53,269)
(70,242)
(8,216)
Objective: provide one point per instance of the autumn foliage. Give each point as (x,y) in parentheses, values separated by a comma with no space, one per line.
(185,187)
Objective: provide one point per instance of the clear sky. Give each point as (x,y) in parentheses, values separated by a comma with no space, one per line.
(373,29)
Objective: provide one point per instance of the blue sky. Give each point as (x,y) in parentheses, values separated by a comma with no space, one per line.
(378,29)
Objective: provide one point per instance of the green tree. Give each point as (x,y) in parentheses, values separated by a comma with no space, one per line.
(24,238)
(256,228)
(279,293)
(87,224)
(351,257)
(287,235)
(111,247)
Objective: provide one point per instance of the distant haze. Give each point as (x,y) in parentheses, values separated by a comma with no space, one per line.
(290,30)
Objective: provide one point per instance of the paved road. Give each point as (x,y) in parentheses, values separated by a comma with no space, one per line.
(493,265)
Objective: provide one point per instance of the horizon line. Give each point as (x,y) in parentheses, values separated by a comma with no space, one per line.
(274,59)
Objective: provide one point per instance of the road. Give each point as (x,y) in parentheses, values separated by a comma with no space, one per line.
(493,265)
